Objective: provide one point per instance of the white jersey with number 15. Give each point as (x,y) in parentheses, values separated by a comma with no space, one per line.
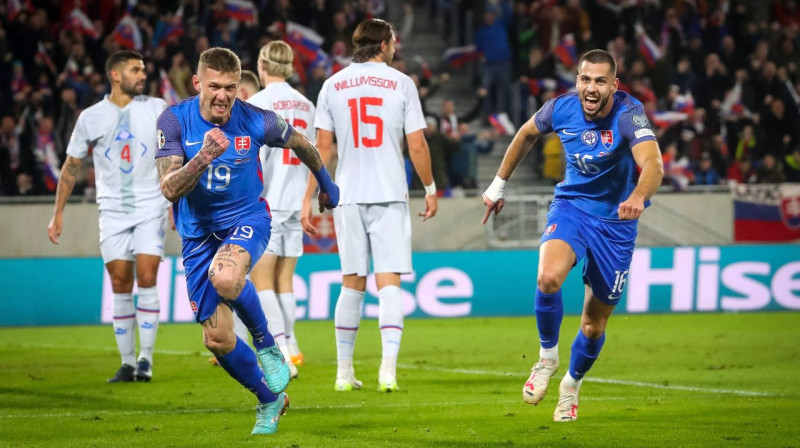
(285,177)
(368,106)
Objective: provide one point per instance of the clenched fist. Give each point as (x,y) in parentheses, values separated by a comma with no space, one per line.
(214,145)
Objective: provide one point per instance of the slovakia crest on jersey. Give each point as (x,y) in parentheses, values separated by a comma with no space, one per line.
(242,144)
(607,137)
(790,212)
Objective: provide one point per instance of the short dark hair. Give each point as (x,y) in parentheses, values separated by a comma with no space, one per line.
(599,57)
(368,37)
(120,57)
(250,78)
(221,60)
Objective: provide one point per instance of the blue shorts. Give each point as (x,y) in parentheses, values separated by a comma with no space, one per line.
(606,244)
(251,233)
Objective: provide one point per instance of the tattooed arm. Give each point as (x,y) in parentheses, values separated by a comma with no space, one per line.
(65,185)
(177,179)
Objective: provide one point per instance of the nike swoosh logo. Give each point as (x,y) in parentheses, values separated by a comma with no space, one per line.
(564,131)
(188,143)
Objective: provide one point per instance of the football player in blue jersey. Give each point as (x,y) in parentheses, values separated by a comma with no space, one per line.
(606,135)
(209,168)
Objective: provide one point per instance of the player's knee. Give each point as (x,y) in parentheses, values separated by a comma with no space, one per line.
(146,279)
(121,284)
(219,344)
(593,329)
(548,282)
(227,284)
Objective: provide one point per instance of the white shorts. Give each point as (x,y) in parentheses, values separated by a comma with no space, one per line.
(125,235)
(286,239)
(381,230)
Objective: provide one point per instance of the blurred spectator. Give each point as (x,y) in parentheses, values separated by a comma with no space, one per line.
(770,172)
(741,171)
(704,173)
(793,166)
(778,129)
(463,164)
(491,39)
(440,147)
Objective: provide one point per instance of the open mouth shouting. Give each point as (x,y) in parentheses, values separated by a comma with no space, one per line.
(591,102)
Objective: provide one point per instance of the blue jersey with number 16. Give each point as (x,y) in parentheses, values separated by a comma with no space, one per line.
(229,189)
(601,171)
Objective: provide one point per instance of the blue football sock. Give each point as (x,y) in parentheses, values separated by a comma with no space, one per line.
(549,312)
(584,353)
(242,365)
(248,308)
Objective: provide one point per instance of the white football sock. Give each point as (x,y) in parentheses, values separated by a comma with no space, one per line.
(549,353)
(569,381)
(124,324)
(241,329)
(289,308)
(347,318)
(390,319)
(147,313)
(274,315)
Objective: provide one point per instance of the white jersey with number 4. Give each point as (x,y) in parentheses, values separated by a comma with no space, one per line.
(285,177)
(123,142)
(368,106)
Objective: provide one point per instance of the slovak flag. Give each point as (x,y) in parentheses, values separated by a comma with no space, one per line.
(127,34)
(303,40)
(649,50)
(566,51)
(167,91)
(461,56)
(170,28)
(241,10)
(502,123)
(77,21)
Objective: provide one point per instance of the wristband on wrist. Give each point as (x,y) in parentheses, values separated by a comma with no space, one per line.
(323,179)
(496,190)
(430,190)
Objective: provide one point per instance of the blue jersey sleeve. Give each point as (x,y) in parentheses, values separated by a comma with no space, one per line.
(276,130)
(635,127)
(544,117)
(169,135)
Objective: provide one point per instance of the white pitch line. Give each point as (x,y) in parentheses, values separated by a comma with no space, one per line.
(90,414)
(742,393)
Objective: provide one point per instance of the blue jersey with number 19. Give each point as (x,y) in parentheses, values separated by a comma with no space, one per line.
(229,189)
(601,171)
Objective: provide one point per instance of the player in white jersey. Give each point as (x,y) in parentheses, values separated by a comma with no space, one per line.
(120,131)
(369,106)
(288,178)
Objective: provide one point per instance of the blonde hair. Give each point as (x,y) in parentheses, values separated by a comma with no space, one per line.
(276,58)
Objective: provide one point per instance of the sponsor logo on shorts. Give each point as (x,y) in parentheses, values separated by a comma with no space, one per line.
(193,304)
(550,229)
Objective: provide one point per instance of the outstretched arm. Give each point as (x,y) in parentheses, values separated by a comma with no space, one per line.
(324,146)
(65,185)
(519,147)
(648,157)
(177,179)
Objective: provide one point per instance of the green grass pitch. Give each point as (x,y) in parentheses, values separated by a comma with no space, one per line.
(700,380)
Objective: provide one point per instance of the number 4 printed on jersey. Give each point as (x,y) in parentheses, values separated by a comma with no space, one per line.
(288,156)
(357,105)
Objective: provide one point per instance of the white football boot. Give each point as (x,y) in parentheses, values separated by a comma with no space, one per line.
(534,389)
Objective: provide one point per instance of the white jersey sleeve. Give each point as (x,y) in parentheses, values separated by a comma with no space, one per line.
(79,142)
(285,176)
(370,107)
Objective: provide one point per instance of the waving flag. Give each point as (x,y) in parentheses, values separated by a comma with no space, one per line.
(77,21)
(649,50)
(43,56)
(241,10)
(127,34)
(502,123)
(766,212)
(566,51)
(461,56)
(167,91)
(168,29)
(303,40)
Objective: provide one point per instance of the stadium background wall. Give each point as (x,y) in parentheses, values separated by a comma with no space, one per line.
(58,291)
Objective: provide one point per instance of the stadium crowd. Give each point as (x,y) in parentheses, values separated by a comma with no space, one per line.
(719,79)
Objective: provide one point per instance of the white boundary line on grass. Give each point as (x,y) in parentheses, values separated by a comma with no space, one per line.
(742,393)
